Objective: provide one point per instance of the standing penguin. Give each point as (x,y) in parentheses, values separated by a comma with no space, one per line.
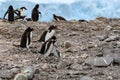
(48,48)
(10,12)
(26,38)
(48,34)
(35,13)
(20,12)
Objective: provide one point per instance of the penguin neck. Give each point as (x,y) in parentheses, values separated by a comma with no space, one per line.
(51,30)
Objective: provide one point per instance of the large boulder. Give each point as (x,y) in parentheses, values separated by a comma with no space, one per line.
(99,61)
(86,78)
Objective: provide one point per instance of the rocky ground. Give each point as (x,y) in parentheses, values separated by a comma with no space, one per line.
(90,50)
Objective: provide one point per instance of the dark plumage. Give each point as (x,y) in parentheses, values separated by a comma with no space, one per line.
(48,48)
(83,21)
(26,38)
(35,13)
(20,13)
(58,18)
(10,12)
(48,34)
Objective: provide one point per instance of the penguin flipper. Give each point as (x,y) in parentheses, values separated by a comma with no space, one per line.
(42,51)
(42,38)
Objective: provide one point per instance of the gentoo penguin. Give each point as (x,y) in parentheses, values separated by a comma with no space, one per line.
(35,13)
(48,48)
(48,34)
(20,12)
(58,18)
(26,38)
(10,12)
(28,19)
(83,21)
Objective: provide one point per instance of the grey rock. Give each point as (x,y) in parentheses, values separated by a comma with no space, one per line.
(73,34)
(90,61)
(20,76)
(83,48)
(86,78)
(116,60)
(76,66)
(36,77)
(92,45)
(7,74)
(99,61)
(71,50)
(29,71)
(15,70)
(102,37)
(62,64)
(67,44)
(108,28)
(26,74)
(45,66)
(112,38)
(94,27)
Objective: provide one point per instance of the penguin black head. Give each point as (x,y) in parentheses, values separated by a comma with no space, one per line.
(52,27)
(29,29)
(37,6)
(10,7)
(54,15)
(23,8)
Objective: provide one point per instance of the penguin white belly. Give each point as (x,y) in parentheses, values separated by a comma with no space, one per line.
(49,35)
(22,13)
(49,51)
(27,46)
(31,35)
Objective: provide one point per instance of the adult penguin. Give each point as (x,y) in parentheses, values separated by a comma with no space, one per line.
(10,13)
(26,38)
(20,12)
(49,48)
(35,13)
(58,18)
(48,33)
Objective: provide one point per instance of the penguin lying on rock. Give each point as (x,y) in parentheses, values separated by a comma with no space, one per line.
(58,18)
(20,12)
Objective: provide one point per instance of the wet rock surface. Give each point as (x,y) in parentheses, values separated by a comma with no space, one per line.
(90,50)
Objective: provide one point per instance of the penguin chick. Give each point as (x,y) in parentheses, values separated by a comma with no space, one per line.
(48,34)
(26,38)
(49,48)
